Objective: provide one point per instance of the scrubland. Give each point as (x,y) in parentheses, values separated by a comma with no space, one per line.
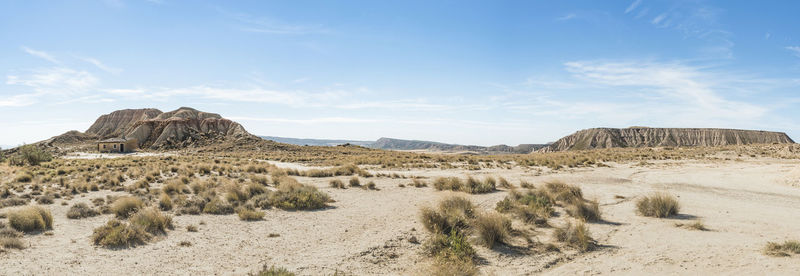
(355,211)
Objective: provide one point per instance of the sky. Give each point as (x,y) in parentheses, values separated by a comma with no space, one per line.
(467,72)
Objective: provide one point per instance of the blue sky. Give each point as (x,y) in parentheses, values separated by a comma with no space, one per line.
(469,72)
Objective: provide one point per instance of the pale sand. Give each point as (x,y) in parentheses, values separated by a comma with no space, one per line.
(745,204)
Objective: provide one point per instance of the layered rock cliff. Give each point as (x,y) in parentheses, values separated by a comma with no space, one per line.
(663,137)
(116,123)
(185,127)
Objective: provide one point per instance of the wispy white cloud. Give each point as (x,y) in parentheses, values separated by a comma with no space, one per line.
(659,18)
(633,6)
(40,54)
(100,65)
(249,23)
(566,17)
(56,80)
(795,50)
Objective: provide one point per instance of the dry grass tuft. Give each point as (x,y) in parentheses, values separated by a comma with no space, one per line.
(218,207)
(152,221)
(249,214)
(784,249)
(584,210)
(116,234)
(292,195)
(695,225)
(31,219)
(576,236)
(123,207)
(81,210)
(336,183)
(273,271)
(659,205)
(492,229)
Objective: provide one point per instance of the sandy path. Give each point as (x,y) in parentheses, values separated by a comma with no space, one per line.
(745,204)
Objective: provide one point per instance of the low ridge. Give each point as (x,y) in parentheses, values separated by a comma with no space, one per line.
(596,138)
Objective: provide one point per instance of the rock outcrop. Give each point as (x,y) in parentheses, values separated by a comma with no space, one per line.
(116,123)
(596,138)
(185,127)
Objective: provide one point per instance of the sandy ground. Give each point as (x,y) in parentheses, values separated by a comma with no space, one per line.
(745,204)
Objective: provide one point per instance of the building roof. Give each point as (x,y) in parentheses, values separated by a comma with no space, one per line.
(114,140)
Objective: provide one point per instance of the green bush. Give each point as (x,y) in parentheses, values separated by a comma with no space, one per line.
(31,155)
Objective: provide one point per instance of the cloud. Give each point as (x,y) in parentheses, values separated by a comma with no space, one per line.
(40,54)
(633,6)
(101,65)
(795,50)
(566,17)
(657,20)
(56,80)
(253,24)
(692,88)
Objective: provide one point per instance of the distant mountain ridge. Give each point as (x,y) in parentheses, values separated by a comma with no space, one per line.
(316,142)
(597,138)
(401,144)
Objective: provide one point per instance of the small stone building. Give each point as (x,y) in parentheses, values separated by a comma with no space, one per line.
(118,145)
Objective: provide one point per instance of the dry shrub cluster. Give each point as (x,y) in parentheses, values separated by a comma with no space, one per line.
(658,205)
(470,185)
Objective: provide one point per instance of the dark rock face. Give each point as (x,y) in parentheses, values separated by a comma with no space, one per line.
(116,123)
(596,138)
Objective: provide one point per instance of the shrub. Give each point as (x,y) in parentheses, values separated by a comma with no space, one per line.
(452,215)
(533,206)
(504,183)
(695,225)
(30,219)
(10,239)
(119,234)
(453,254)
(584,210)
(218,207)
(191,228)
(152,221)
(31,155)
(576,236)
(24,177)
(782,250)
(249,215)
(354,182)
(14,201)
(418,183)
(272,271)
(659,205)
(292,195)
(371,185)
(165,202)
(81,210)
(447,183)
(560,191)
(492,229)
(123,207)
(45,199)
(336,183)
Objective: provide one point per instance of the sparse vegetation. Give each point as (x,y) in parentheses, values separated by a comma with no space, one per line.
(292,195)
(29,155)
(471,185)
(31,219)
(81,210)
(123,207)
(249,214)
(576,236)
(659,205)
(152,221)
(784,249)
(119,234)
(273,271)
(492,228)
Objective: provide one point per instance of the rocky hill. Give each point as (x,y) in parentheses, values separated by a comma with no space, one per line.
(663,137)
(185,127)
(116,123)
(317,142)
